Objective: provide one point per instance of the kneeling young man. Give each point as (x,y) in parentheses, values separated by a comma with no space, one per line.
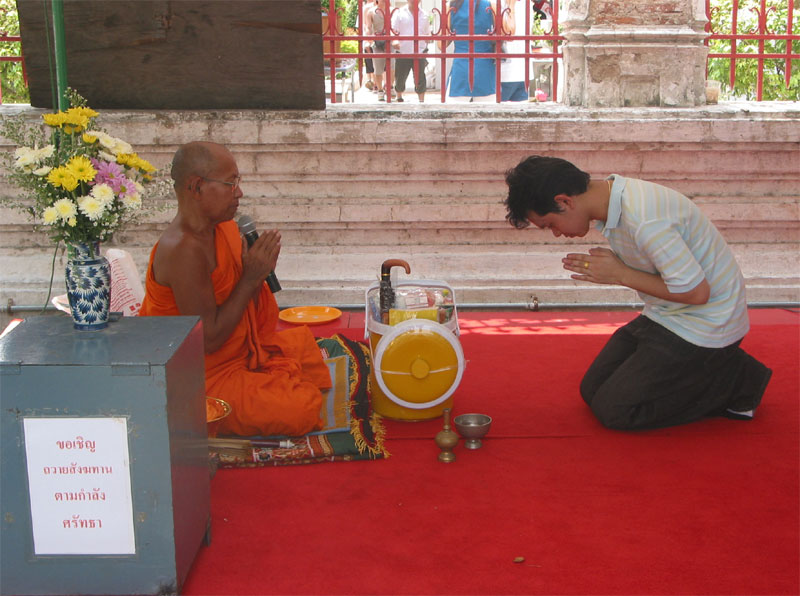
(680,360)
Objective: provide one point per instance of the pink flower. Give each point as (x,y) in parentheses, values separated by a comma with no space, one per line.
(540,95)
(108,173)
(126,187)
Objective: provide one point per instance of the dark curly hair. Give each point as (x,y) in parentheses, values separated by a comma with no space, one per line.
(534,183)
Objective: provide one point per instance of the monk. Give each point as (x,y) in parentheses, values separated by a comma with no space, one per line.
(201,265)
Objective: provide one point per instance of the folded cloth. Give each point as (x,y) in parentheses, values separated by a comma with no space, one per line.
(351,431)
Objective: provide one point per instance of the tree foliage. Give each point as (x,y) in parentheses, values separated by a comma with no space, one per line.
(746,69)
(346,12)
(14,88)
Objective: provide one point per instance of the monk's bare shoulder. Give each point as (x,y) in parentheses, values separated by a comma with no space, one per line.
(179,257)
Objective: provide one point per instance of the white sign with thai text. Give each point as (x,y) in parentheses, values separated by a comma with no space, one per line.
(79,484)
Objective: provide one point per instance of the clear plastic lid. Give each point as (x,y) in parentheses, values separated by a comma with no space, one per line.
(434,301)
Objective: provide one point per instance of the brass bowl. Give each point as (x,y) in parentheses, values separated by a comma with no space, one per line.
(472,427)
(216,410)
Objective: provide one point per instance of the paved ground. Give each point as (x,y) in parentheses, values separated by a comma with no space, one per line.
(362,95)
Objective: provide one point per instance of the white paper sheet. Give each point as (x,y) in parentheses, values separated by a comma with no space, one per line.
(80,486)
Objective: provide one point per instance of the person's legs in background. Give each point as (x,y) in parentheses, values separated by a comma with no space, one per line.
(370,70)
(513,91)
(420,81)
(402,67)
(380,68)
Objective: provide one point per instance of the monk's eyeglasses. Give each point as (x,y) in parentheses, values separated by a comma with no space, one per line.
(234,185)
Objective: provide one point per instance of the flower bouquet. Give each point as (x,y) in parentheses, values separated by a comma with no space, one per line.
(80,185)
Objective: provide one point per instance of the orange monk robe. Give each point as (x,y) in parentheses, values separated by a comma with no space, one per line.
(271,379)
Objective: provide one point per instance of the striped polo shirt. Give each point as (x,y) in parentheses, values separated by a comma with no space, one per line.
(658,230)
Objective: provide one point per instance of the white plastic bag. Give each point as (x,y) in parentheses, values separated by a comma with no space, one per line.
(127,292)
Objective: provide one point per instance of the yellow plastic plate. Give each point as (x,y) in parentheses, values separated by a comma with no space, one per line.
(309,315)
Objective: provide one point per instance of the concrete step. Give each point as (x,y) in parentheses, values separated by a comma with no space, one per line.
(493,274)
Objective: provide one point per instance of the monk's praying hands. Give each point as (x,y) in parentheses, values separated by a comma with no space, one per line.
(261,258)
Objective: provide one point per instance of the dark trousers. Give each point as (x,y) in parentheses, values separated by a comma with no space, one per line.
(648,377)
(368,61)
(402,66)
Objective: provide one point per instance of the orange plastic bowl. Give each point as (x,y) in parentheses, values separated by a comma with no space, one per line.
(216,410)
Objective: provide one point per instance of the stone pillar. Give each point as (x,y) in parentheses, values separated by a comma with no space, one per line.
(621,53)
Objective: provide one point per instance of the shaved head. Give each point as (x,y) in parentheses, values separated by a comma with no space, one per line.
(197,158)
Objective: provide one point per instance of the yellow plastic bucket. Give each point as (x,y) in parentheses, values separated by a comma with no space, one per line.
(416,367)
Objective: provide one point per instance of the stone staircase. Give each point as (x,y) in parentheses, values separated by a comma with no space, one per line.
(350,188)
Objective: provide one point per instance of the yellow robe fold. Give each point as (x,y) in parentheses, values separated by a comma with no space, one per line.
(272,379)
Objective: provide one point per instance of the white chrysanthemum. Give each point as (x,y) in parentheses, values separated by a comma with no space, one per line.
(25,157)
(45,152)
(104,139)
(43,171)
(139,187)
(107,156)
(132,201)
(72,222)
(104,194)
(112,144)
(91,207)
(65,209)
(121,146)
(50,216)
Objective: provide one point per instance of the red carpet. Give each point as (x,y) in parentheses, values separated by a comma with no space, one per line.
(707,508)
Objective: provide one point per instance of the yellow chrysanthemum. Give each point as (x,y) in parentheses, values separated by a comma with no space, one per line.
(72,128)
(144,166)
(69,183)
(84,112)
(82,168)
(89,139)
(55,175)
(50,216)
(76,118)
(65,209)
(54,120)
(72,222)
(62,177)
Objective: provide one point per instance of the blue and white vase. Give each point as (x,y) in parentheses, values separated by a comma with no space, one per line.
(88,277)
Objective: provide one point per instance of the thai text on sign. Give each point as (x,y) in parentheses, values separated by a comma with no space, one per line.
(79,485)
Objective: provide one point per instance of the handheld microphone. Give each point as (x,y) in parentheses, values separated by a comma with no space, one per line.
(248,229)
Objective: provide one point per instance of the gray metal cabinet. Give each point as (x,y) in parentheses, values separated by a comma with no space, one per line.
(139,387)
